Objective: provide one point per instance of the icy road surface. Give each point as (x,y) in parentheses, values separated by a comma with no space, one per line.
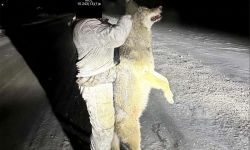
(208,73)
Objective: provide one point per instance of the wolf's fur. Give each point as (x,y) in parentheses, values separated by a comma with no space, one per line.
(135,77)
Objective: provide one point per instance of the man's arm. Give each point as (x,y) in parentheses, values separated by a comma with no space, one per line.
(117,34)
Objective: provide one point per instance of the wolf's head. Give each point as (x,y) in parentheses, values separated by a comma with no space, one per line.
(148,16)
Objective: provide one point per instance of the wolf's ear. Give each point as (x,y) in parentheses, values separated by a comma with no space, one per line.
(140,9)
(131,7)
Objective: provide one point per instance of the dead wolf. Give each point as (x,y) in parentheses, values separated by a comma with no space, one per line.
(135,77)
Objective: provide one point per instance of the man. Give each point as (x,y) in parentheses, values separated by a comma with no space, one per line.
(96,40)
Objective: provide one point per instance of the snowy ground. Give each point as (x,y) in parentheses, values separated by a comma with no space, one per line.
(208,73)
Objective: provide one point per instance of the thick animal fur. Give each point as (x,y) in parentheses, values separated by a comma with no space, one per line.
(135,77)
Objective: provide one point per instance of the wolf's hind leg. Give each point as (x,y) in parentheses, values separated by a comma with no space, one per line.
(129,133)
(115,143)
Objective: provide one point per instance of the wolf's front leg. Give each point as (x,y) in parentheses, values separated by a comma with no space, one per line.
(158,81)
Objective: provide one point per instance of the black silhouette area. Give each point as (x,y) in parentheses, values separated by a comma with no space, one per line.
(47,47)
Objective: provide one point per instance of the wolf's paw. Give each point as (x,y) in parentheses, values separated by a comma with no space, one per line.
(169,96)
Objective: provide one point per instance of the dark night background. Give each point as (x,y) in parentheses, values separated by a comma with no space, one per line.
(224,15)
(39,31)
